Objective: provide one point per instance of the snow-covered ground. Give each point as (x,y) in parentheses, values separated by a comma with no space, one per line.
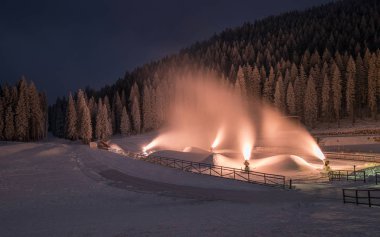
(62,188)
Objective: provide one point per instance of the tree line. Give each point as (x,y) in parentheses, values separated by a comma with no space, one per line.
(23,112)
(321,64)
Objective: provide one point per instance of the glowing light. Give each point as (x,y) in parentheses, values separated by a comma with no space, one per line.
(148,147)
(247,149)
(317,152)
(218,139)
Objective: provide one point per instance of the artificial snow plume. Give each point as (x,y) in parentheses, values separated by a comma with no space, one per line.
(210,114)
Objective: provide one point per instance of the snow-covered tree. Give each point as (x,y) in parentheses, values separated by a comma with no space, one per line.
(2,113)
(118,109)
(36,118)
(240,85)
(135,108)
(147,109)
(125,125)
(279,96)
(9,130)
(337,91)
(268,87)
(350,89)
(22,112)
(372,86)
(326,98)
(71,120)
(103,124)
(86,131)
(310,103)
(290,100)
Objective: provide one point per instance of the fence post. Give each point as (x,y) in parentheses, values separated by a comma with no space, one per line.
(356,197)
(248,176)
(344,196)
(376,177)
(290,184)
(364,175)
(369,198)
(235,178)
(265,179)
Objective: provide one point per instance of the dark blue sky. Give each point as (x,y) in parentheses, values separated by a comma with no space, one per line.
(66,45)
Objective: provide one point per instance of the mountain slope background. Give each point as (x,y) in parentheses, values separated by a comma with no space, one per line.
(322,64)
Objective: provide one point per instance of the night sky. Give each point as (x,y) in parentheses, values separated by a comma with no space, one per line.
(66,45)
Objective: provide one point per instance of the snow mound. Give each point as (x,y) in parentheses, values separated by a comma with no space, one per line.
(283,164)
(195,150)
(189,156)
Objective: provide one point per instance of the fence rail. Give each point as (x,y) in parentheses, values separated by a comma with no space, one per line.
(353,156)
(370,197)
(218,171)
(341,175)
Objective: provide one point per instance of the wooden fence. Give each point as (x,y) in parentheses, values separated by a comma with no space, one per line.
(348,175)
(353,156)
(370,197)
(218,171)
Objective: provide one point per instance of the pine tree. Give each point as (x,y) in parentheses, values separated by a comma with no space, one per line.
(337,91)
(268,87)
(372,86)
(240,85)
(36,118)
(2,115)
(135,108)
(256,77)
(290,100)
(279,96)
(100,123)
(117,110)
(147,109)
(103,124)
(86,131)
(124,123)
(326,98)
(350,89)
(71,120)
(310,103)
(22,112)
(9,130)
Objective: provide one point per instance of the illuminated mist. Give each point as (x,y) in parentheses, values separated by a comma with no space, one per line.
(209,114)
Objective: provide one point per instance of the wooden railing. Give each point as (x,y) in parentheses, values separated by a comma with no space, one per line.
(370,197)
(353,156)
(348,175)
(218,171)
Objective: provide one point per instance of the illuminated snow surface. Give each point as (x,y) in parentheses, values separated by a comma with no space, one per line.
(62,188)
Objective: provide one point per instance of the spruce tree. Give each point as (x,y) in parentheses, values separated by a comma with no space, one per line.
(290,100)
(9,130)
(326,98)
(310,103)
(337,91)
(86,131)
(36,118)
(350,89)
(240,85)
(279,96)
(71,120)
(147,109)
(372,86)
(22,112)
(2,115)
(135,108)
(124,123)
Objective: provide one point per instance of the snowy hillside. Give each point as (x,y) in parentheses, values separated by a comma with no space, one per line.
(60,188)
